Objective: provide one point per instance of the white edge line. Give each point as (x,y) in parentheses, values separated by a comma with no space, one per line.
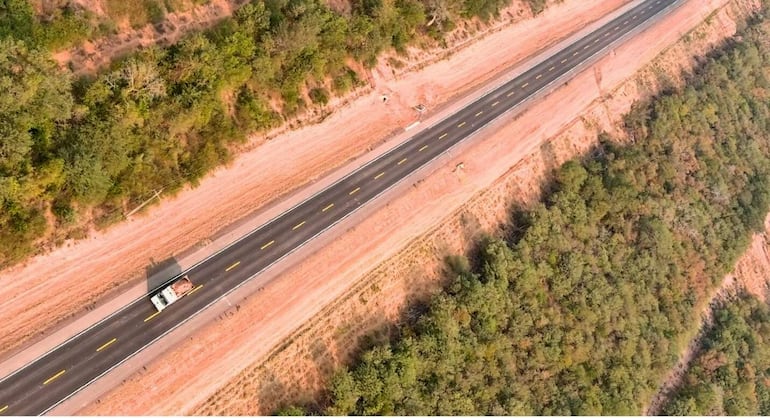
(622,39)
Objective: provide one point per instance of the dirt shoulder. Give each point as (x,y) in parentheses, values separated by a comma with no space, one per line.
(52,289)
(346,302)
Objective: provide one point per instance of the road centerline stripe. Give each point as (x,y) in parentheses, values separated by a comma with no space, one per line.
(300,224)
(401,162)
(461,124)
(423,148)
(553,67)
(379,175)
(152,316)
(495,103)
(352,192)
(273,241)
(564,60)
(233,266)
(3,409)
(442,136)
(524,85)
(477,114)
(331,205)
(105,345)
(195,290)
(54,377)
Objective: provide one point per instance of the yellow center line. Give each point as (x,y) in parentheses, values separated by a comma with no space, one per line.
(331,205)
(552,68)
(511,94)
(617,27)
(401,162)
(461,125)
(105,345)
(352,192)
(233,266)
(539,76)
(495,104)
(575,54)
(524,85)
(586,47)
(423,148)
(151,316)
(633,17)
(300,224)
(564,60)
(596,41)
(54,377)
(379,175)
(196,289)
(271,242)
(606,34)
(442,136)
(477,114)
(3,409)
(625,23)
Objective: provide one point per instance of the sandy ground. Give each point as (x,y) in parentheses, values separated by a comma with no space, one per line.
(53,288)
(239,345)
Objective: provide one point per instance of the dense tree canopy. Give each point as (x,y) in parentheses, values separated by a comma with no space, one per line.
(587,310)
(731,373)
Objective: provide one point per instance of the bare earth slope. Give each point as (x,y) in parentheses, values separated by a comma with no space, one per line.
(55,287)
(477,198)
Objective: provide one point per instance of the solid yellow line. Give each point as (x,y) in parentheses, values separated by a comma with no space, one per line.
(442,136)
(524,85)
(298,225)
(354,191)
(105,345)
(477,114)
(271,242)
(401,162)
(54,377)
(379,175)
(233,266)
(3,409)
(423,148)
(331,205)
(495,104)
(151,316)
(195,290)
(460,125)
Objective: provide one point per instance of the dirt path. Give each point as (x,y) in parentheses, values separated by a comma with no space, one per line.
(223,354)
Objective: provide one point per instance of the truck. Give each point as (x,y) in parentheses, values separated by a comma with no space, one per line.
(171,293)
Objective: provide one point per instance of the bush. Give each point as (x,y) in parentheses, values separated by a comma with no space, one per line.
(319,96)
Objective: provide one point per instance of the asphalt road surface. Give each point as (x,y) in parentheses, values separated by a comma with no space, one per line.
(46,382)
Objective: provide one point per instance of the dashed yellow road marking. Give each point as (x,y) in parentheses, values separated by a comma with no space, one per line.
(401,162)
(379,175)
(195,289)
(524,85)
(442,136)
(539,76)
(596,41)
(460,125)
(586,47)
(271,242)
(300,224)
(233,266)
(564,60)
(423,148)
(331,205)
(152,316)
(3,409)
(510,94)
(575,54)
(617,27)
(477,114)
(625,23)
(495,103)
(352,192)
(633,18)
(552,68)
(54,377)
(105,345)
(606,34)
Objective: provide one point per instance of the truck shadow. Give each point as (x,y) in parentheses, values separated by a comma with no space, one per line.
(161,272)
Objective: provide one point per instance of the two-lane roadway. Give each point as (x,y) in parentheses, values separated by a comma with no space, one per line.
(63,371)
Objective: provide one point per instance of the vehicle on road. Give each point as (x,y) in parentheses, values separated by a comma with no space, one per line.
(171,293)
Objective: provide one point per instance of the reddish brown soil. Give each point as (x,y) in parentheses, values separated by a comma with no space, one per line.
(339,302)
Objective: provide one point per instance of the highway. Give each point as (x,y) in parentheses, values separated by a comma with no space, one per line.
(52,378)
